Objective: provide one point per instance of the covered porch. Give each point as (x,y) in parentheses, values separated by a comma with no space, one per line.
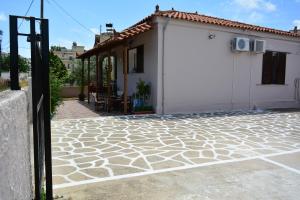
(104,91)
(109,89)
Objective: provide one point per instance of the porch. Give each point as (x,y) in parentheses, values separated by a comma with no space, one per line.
(119,66)
(103,91)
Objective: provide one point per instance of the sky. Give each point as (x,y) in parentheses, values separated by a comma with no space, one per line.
(77,20)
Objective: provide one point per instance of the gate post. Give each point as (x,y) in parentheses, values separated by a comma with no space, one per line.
(46,93)
(14,54)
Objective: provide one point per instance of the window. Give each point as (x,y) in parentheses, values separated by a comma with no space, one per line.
(274,64)
(136,60)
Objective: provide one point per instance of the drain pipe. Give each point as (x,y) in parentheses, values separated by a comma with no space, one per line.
(163,65)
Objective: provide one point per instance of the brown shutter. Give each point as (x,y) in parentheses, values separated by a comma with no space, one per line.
(281,66)
(267,68)
(140,59)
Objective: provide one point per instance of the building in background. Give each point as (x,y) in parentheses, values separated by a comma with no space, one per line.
(68,56)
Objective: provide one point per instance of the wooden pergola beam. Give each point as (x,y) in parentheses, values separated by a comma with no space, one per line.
(81,95)
(109,70)
(97,76)
(89,79)
(125,67)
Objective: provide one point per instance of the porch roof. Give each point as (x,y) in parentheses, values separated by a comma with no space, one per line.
(118,39)
(146,24)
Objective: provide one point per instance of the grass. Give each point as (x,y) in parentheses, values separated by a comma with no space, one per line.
(4,84)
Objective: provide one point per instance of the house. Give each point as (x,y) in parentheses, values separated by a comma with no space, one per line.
(68,56)
(201,63)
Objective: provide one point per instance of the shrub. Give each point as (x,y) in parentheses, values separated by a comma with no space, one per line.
(56,85)
(57,76)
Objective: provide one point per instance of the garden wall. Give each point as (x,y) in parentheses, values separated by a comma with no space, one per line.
(72,91)
(15,145)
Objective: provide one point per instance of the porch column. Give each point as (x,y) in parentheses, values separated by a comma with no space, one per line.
(125,67)
(81,95)
(97,76)
(89,79)
(109,69)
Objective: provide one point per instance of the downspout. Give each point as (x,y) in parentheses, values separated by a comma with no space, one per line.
(163,65)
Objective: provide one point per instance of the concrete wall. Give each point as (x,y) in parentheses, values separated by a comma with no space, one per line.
(72,91)
(15,163)
(199,74)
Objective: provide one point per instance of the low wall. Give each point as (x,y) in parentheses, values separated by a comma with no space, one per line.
(15,146)
(72,91)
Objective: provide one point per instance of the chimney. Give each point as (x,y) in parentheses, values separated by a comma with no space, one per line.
(295,29)
(157,8)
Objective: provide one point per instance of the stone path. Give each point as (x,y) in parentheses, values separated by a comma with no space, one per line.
(74,109)
(103,148)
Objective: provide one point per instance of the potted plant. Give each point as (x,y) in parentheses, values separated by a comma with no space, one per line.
(141,97)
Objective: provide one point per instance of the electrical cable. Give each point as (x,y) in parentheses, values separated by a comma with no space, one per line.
(28,9)
(73,18)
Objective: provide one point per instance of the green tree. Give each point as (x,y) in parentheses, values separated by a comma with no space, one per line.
(57,66)
(23,64)
(55,48)
(58,75)
(75,75)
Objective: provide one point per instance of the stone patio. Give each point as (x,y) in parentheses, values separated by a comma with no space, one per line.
(106,148)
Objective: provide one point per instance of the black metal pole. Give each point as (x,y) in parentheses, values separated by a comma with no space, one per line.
(14,55)
(46,92)
(42,9)
(89,63)
(0,52)
(35,99)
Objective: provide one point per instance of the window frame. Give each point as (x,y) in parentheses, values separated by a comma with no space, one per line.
(274,71)
(139,60)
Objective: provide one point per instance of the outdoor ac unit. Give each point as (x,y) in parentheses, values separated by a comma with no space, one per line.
(259,46)
(241,44)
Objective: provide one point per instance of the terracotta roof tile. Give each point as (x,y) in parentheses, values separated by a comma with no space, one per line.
(219,21)
(146,25)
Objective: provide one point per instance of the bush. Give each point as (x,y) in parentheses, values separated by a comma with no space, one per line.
(57,76)
(56,85)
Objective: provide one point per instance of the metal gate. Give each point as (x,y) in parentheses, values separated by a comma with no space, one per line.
(39,42)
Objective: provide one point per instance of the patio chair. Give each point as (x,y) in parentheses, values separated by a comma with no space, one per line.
(100,102)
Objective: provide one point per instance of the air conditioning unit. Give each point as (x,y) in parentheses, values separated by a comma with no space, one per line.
(241,44)
(258,46)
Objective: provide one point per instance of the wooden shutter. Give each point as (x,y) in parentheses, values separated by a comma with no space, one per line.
(281,66)
(140,59)
(267,68)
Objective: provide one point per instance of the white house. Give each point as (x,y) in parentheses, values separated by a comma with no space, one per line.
(200,63)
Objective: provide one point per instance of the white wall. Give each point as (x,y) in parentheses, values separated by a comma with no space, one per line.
(202,74)
(15,163)
(149,41)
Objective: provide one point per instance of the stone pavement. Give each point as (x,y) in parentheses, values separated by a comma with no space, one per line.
(243,180)
(100,149)
(74,109)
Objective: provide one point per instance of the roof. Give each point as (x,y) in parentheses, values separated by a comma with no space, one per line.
(146,25)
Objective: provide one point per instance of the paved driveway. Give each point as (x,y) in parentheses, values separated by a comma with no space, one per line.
(106,148)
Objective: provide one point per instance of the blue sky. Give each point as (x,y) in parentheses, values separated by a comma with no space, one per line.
(280,14)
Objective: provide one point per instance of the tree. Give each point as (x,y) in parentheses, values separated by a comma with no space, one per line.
(23,63)
(58,75)
(75,75)
(57,66)
(55,48)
